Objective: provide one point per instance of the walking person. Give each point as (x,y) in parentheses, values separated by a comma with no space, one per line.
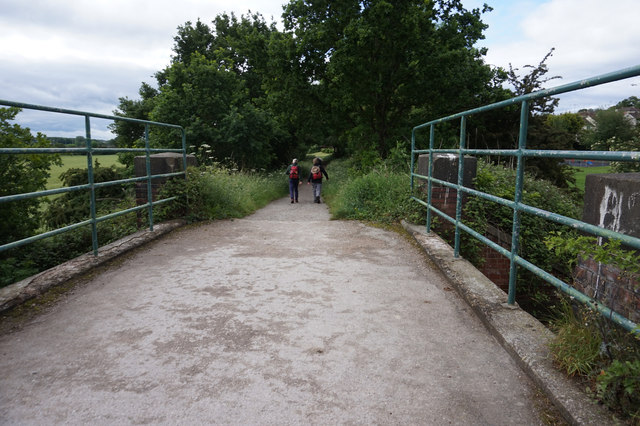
(293,171)
(315,178)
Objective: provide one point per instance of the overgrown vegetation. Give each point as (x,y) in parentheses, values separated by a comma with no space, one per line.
(605,358)
(217,192)
(534,294)
(382,195)
(588,345)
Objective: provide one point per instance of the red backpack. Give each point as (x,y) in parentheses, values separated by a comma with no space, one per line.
(316,173)
(293,173)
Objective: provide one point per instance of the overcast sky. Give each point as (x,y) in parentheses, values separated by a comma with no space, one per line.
(85,54)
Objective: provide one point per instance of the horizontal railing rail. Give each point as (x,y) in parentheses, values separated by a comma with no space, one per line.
(517,204)
(91,186)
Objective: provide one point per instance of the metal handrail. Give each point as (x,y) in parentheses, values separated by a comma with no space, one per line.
(89,151)
(517,205)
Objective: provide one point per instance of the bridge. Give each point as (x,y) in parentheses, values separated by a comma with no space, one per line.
(283,317)
(288,317)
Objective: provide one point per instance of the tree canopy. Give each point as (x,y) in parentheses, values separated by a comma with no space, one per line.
(337,75)
(355,75)
(19,174)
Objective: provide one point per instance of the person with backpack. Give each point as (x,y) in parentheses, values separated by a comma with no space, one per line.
(315,178)
(293,171)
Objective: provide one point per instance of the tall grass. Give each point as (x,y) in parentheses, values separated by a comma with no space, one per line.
(215,192)
(381,195)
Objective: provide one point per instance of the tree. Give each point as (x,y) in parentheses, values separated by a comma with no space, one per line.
(377,79)
(216,87)
(614,132)
(630,102)
(192,39)
(533,81)
(611,126)
(128,134)
(19,174)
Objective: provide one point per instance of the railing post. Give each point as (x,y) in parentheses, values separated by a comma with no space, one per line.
(463,137)
(92,190)
(184,151)
(148,167)
(413,161)
(432,136)
(517,197)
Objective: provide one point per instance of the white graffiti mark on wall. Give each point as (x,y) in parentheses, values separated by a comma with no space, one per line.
(611,209)
(610,216)
(633,200)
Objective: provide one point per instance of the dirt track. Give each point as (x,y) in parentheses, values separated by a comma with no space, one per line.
(284,317)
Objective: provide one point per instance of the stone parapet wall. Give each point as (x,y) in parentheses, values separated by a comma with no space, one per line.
(445,168)
(612,201)
(163,163)
(611,286)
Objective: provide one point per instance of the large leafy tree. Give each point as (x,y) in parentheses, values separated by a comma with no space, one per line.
(353,74)
(614,132)
(386,64)
(19,174)
(129,134)
(214,88)
(612,126)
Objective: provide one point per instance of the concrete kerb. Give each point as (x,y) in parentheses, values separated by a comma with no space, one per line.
(35,285)
(524,337)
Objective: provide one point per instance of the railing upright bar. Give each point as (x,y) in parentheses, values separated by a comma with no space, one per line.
(92,188)
(184,151)
(413,157)
(432,137)
(148,168)
(517,197)
(459,193)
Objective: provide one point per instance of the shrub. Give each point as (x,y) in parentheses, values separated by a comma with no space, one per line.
(618,386)
(215,192)
(601,354)
(381,195)
(534,293)
(25,261)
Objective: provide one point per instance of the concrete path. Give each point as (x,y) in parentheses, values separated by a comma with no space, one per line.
(284,317)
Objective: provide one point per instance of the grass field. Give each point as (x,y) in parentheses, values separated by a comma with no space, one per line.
(582,173)
(77,162)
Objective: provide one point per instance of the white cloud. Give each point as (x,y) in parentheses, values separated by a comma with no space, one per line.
(590,37)
(84,55)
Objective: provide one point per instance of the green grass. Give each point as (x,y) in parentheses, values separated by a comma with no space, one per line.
(582,173)
(78,162)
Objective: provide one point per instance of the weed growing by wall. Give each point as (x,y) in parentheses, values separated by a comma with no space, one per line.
(381,195)
(217,192)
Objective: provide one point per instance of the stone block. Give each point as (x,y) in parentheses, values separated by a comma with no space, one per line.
(612,201)
(162,163)
(445,167)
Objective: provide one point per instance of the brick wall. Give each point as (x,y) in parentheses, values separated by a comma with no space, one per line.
(445,167)
(162,163)
(496,266)
(609,285)
(612,202)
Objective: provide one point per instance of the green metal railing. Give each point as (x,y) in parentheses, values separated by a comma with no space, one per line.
(521,153)
(91,186)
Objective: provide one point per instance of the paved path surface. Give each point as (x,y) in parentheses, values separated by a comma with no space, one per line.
(284,317)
